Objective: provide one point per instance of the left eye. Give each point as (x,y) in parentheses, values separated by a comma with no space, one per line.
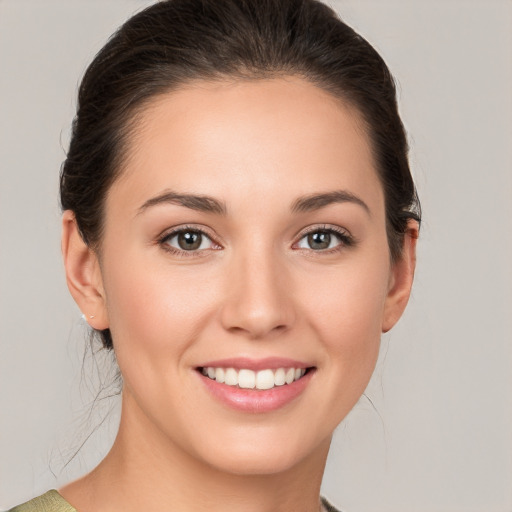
(320,240)
(189,240)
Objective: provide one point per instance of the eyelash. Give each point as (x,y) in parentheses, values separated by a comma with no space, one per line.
(345,240)
(164,239)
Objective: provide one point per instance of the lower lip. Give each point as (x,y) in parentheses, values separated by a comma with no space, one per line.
(257,400)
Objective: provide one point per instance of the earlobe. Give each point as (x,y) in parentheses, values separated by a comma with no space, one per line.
(83,274)
(402,276)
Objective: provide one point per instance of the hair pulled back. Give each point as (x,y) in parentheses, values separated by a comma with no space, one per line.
(174,42)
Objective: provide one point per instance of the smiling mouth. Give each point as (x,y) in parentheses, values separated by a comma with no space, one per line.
(250,379)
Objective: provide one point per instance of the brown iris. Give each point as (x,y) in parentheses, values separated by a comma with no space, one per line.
(189,240)
(319,240)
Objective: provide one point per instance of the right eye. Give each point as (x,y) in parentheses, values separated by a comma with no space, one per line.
(187,240)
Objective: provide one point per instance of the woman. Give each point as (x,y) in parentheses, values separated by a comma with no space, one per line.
(239,227)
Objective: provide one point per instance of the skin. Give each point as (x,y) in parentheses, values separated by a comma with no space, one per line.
(256,290)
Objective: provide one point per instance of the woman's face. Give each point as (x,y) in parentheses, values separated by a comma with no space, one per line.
(246,239)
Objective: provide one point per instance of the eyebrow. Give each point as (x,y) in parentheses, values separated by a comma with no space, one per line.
(209,204)
(194,202)
(316,201)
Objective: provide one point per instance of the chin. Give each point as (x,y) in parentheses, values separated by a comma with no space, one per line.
(268,456)
(253,465)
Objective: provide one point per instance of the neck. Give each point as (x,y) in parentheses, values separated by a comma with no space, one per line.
(145,470)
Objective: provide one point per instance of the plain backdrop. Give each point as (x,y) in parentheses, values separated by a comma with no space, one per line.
(440,436)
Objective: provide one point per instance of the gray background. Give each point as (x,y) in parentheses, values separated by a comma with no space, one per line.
(442,437)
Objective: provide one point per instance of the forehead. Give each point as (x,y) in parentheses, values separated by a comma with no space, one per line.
(270,137)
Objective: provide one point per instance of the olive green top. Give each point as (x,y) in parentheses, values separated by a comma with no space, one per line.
(52,501)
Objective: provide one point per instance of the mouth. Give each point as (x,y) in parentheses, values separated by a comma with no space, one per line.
(256,385)
(263,379)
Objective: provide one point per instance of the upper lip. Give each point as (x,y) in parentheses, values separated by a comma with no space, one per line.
(271,363)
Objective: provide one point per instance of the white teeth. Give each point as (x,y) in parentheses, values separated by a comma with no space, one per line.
(220,375)
(231,377)
(249,379)
(246,379)
(280,377)
(265,379)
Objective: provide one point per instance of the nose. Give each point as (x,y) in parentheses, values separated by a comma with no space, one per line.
(258,300)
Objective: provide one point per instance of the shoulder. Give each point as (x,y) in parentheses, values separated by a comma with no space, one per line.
(51,501)
(327,507)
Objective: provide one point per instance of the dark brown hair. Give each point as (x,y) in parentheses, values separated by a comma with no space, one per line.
(174,42)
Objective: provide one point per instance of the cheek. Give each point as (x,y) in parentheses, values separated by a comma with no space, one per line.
(347,315)
(352,300)
(154,314)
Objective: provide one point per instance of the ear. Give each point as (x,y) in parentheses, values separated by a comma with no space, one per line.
(83,274)
(401,278)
